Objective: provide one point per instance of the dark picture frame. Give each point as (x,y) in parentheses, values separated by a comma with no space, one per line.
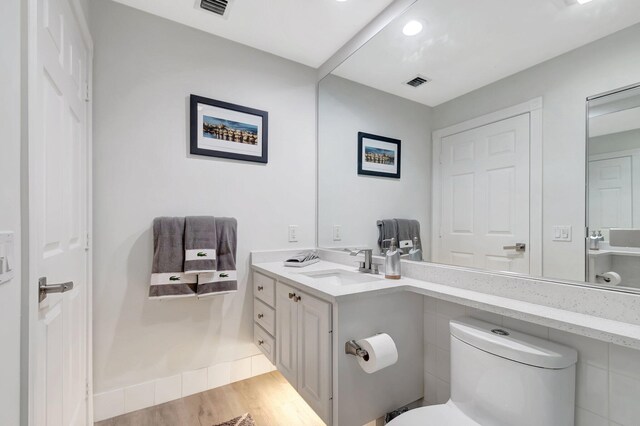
(379,156)
(225,130)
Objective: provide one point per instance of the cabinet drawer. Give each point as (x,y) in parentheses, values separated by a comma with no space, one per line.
(264,288)
(265,316)
(265,342)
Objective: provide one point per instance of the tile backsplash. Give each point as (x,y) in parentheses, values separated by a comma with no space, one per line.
(607,375)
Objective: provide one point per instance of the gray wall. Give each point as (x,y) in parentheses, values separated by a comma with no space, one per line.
(564,83)
(362,397)
(10,57)
(357,202)
(145,69)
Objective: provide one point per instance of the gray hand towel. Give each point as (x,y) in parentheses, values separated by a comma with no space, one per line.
(407,231)
(200,243)
(224,279)
(387,229)
(167,277)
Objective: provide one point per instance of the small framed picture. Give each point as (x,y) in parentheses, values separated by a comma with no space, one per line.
(221,129)
(378,156)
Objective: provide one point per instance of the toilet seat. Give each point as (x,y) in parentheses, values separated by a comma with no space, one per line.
(437,415)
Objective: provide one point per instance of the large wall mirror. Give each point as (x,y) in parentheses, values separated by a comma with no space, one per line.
(461,132)
(613,178)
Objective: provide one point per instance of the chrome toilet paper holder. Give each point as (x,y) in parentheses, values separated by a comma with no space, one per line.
(352,348)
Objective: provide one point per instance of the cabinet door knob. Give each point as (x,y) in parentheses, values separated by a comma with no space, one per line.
(297,298)
(292,296)
(260,316)
(261,342)
(260,288)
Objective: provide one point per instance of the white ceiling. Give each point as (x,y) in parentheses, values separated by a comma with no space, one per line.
(467,44)
(305,31)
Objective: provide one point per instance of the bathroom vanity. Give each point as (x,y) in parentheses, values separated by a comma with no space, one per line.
(316,310)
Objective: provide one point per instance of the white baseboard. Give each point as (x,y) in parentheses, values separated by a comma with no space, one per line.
(142,395)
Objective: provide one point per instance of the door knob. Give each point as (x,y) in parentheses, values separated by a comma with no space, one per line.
(519,247)
(44,289)
(292,295)
(260,316)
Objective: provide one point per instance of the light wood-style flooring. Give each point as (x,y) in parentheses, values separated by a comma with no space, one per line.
(270,399)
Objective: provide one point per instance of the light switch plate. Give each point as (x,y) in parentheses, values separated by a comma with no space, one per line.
(337,232)
(562,233)
(7,257)
(293,233)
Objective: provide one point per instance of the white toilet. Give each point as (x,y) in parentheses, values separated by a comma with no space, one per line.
(501,377)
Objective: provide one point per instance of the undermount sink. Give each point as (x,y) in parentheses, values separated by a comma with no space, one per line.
(340,277)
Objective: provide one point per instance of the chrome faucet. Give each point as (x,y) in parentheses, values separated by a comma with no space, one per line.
(367,266)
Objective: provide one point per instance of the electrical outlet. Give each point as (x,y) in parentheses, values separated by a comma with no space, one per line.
(293,233)
(337,232)
(562,233)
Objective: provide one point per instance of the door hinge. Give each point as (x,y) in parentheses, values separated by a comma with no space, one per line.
(87,243)
(86,93)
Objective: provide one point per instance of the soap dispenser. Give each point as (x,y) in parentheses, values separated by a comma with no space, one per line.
(416,252)
(594,241)
(392,262)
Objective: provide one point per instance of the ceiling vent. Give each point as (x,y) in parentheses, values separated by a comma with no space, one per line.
(418,81)
(219,7)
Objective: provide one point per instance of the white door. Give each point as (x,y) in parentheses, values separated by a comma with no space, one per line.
(314,354)
(287,333)
(58,215)
(610,193)
(484,197)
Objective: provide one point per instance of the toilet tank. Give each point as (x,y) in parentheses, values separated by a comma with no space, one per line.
(500,377)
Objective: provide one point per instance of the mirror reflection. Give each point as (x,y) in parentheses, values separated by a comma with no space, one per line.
(469,147)
(614,189)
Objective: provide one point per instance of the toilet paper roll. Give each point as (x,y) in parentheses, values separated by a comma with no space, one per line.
(382,352)
(610,278)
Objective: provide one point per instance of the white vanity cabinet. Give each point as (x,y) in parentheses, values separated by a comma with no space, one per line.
(293,330)
(264,314)
(311,327)
(303,346)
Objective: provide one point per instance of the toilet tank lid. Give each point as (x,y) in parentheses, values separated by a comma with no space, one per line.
(513,345)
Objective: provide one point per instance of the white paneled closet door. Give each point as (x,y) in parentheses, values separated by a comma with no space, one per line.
(484,197)
(59,59)
(610,193)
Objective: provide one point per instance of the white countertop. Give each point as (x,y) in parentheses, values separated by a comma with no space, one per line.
(617,332)
(616,252)
(607,249)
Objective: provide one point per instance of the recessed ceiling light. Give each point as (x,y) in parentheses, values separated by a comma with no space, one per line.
(412,28)
(583,1)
